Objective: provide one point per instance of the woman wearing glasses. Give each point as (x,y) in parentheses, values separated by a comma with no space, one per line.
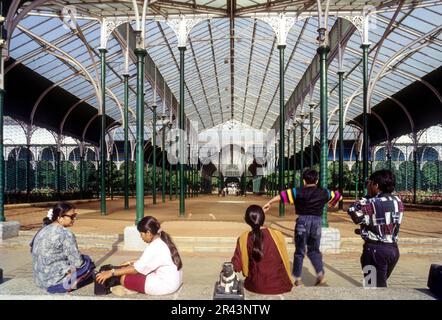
(57,264)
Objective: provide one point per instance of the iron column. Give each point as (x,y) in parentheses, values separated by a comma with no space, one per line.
(281,126)
(163,163)
(81,177)
(154,154)
(102,133)
(294,155)
(126,141)
(170,165)
(181,127)
(2,161)
(365,142)
(341,135)
(323,52)
(301,183)
(288,158)
(311,136)
(2,99)
(141,54)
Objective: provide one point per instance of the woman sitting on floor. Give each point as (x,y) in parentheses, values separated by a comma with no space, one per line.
(158,271)
(262,256)
(57,264)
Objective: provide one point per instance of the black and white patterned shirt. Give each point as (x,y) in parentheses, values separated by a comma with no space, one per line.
(380,217)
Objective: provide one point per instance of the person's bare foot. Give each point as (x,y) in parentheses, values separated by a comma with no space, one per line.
(299,283)
(320,280)
(121,291)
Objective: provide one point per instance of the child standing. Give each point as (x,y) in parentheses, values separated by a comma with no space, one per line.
(309,203)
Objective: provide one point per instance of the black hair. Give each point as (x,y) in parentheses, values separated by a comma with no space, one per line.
(255,219)
(310,176)
(385,180)
(59,209)
(152,225)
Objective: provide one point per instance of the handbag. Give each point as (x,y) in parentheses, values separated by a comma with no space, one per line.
(101,289)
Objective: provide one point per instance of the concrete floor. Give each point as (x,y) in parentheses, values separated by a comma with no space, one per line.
(222,217)
(417,224)
(408,281)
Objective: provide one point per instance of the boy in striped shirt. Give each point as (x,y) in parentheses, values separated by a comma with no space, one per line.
(309,203)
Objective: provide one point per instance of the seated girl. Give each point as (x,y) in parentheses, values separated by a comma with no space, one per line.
(57,264)
(158,271)
(261,255)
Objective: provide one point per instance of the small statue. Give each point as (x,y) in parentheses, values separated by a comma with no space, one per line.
(228,286)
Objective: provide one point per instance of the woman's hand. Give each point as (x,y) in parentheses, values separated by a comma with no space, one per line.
(103,276)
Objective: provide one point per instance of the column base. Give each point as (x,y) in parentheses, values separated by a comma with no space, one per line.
(132,239)
(9,229)
(330,240)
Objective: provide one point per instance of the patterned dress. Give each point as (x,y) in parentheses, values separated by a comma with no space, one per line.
(54,252)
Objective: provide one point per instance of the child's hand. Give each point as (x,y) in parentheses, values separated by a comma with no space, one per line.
(266,207)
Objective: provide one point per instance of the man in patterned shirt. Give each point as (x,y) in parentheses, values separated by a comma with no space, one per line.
(379,216)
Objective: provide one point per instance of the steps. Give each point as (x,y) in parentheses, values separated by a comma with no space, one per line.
(427,246)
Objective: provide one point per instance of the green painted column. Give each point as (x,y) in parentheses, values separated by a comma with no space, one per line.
(388,156)
(28,170)
(275,175)
(312,137)
(81,177)
(301,167)
(365,145)
(219,173)
(188,180)
(111,179)
(176,175)
(323,52)
(2,102)
(126,142)
(154,155)
(341,135)
(170,182)
(245,180)
(357,176)
(288,159)
(57,173)
(2,159)
(415,173)
(47,174)
(170,166)
(281,127)
(103,133)
(182,128)
(163,164)
(141,54)
(294,157)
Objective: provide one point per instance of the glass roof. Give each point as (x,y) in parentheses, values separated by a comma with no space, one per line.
(220,87)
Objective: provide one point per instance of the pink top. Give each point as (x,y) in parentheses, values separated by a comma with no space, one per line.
(162,276)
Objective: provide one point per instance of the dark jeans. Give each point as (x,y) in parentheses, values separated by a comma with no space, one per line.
(383,257)
(307,234)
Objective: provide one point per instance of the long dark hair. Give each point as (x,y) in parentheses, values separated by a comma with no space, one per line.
(58,210)
(255,219)
(152,225)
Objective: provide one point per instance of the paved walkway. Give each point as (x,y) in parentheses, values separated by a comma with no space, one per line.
(206,237)
(409,280)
